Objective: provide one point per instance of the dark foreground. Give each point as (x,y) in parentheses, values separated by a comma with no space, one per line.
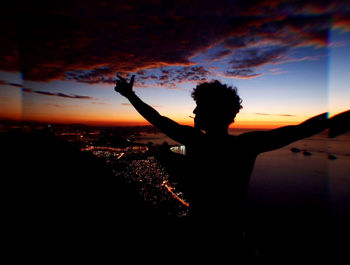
(64,204)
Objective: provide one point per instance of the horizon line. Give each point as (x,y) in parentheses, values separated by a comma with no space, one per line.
(112,124)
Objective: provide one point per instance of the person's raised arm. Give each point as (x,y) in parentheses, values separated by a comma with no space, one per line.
(179,133)
(339,124)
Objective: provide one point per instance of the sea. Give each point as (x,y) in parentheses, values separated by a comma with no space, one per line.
(313,172)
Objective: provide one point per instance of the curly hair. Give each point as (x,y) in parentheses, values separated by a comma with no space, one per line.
(218,96)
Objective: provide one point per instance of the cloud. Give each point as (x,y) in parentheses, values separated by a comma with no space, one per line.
(98,103)
(287,115)
(240,74)
(14,84)
(45,93)
(262,114)
(245,59)
(220,54)
(271,114)
(277,71)
(54,105)
(128,104)
(97,75)
(62,95)
(89,41)
(194,73)
(255,57)
(301,59)
(171,77)
(336,44)
(236,42)
(341,20)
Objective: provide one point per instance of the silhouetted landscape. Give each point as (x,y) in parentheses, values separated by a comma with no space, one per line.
(62,199)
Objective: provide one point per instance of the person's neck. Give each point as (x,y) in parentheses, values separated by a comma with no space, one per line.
(217,131)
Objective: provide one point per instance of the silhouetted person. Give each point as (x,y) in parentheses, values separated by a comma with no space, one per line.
(219,165)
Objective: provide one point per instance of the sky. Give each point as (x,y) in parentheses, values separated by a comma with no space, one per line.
(288,59)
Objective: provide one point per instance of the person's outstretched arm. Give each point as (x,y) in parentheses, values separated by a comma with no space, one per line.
(277,138)
(179,133)
(339,124)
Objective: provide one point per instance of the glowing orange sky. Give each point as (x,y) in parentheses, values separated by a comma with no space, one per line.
(288,65)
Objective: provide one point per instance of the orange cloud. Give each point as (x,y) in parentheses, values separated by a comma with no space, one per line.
(89,42)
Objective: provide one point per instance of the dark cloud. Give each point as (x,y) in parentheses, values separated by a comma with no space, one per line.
(194,73)
(255,57)
(89,41)
(241,74)
(14,84)
(72,96)
(39,92)
(96,75)
(170,78)
(219,55)
(45,93)
(341,20)
(236,42)
(141,72)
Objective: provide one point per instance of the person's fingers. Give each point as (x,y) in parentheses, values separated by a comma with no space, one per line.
(118,85)
(121,78)
(132,80)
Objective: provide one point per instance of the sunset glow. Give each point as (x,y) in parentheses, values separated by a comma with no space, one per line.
(288,65)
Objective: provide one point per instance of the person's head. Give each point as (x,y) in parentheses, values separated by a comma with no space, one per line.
(217,105)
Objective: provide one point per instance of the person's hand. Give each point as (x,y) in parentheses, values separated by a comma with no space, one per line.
(123,87)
